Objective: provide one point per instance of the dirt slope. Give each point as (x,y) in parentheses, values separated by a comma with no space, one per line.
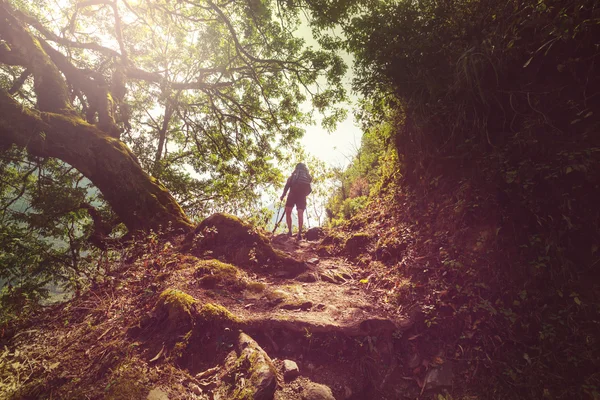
(187,325)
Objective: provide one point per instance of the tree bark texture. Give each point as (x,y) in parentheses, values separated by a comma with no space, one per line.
(139,200)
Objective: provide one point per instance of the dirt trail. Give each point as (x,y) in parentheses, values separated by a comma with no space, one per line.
(324,319)
(328,294)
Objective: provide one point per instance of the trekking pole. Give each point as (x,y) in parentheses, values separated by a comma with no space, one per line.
(277,219)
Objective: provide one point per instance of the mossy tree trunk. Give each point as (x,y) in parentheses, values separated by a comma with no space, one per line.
(55,129)
(138,199)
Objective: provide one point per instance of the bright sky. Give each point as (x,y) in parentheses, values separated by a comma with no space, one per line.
(335,148)
(338,147)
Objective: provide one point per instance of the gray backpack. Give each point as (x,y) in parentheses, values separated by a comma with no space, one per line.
(300,182)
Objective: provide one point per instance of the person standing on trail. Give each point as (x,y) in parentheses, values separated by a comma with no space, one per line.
(299,185)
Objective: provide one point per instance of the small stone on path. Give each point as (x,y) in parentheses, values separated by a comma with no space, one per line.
(313,261)
(306,277)
(290,369)
(304,305)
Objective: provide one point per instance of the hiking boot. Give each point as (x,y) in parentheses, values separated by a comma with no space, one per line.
(289,234)
(299,236)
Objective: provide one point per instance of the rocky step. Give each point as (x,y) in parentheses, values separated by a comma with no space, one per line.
(358,351)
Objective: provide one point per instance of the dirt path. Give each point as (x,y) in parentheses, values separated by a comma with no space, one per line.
(324,320)
(327,297)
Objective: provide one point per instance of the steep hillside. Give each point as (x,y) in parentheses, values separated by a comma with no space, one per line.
(504,298)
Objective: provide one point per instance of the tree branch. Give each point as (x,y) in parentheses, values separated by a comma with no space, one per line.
(133,72)
(49,35)
(96,90)
(139,200)
(18,83)
(49,86)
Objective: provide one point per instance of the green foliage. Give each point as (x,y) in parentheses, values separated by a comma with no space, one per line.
(43,231)
(495,132)
(223,103)
(372,168)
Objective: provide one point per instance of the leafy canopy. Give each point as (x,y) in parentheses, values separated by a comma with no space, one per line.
(207,94)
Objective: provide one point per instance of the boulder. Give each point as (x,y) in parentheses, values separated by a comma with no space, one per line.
(259,374)
(227,237)
(316,391)
(175,310)
(290,370)
(315,233)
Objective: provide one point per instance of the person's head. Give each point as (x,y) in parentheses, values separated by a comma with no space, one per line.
(301,166)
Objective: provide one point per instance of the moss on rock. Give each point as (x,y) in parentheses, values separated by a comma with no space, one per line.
(229,238)
(214,273)
(357,244)
(257,366)
(176,307)
(216,314)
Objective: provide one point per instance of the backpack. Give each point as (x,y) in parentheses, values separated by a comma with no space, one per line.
(300,182)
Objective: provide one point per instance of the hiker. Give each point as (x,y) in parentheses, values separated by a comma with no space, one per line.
(299,185)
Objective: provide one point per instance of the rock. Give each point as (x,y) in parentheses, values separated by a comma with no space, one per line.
(195,389)
(157,394)
(357,244)
(314,233)
(325,251)
(307,277)
(313,261)
(261,375)
(238,243)
(316,391)
(175,310)
(290,369)
(439,377)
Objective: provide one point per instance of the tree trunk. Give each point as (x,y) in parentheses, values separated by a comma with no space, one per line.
(138,199)
(56,130)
